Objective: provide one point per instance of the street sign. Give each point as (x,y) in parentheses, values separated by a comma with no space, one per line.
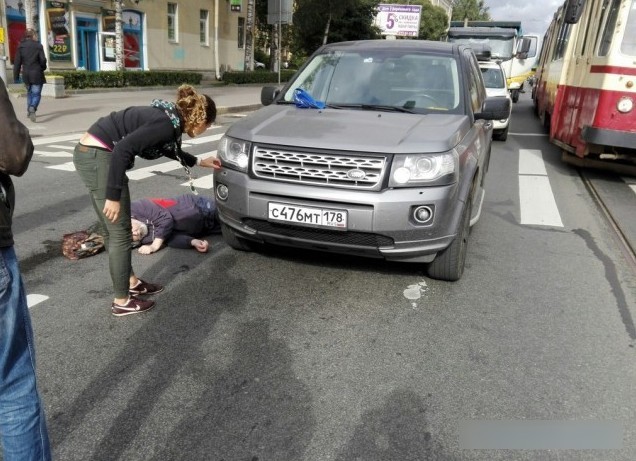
(401,20)
(279,11)
(235,5)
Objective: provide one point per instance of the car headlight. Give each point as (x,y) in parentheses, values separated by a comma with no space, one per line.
(234,153)
(424,169)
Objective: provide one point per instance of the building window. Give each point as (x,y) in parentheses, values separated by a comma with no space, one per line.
(241,32)
(173,22)
(204,36)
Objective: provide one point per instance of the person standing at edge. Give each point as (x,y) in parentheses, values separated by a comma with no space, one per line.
(109,148)
(22,422)
(31,60)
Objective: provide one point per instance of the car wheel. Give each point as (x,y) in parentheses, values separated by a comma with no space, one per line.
(501,135)
(233,240)
(449,264)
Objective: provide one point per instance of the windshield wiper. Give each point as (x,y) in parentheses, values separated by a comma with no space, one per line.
(376,107)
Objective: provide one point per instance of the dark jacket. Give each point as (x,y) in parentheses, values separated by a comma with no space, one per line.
(129,133)
(16,150)
(31,59)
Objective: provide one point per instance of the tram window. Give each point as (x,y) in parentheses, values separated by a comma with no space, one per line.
(562,41)
(610,27)
(628,45)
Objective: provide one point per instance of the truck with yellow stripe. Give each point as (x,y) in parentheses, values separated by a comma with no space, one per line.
(516,53)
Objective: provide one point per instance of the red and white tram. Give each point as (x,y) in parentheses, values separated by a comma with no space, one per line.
(585,89)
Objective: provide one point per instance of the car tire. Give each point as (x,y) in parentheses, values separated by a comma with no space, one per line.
(449,264)
(501,135)
(233,240)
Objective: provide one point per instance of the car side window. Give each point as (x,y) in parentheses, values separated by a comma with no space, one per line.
(474,82)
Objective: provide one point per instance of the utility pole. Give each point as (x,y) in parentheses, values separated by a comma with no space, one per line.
(249,36)
(29,13)
(119,35)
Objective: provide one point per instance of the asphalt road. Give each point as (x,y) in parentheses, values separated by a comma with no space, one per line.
(287,355)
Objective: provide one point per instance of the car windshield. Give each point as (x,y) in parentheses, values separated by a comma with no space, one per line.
(493,77)
(500,48)
(407,81)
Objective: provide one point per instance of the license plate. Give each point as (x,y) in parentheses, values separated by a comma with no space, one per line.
(308,216)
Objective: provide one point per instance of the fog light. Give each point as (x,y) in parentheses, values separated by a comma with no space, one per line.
(222,192)
(422,214)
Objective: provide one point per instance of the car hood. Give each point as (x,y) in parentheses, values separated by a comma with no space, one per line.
(352,130)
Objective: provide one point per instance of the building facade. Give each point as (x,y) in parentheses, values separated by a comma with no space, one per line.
(206,36)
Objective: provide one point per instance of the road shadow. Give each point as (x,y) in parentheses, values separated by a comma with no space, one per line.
(398,430)
(253,408)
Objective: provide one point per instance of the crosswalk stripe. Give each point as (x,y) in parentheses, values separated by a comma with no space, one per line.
(66,137)
(203,139)
(34,299)
(204,182)
(537,205)
(68,166)
(43,153)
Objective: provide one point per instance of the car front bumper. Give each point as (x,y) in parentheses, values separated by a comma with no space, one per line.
(379,224)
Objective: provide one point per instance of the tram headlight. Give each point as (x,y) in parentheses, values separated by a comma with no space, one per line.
(625,105)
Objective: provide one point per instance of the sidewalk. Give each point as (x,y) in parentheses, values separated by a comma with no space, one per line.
(76,112)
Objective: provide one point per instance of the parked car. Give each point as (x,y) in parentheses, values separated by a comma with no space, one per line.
(259,65)
(496,86)
(390,164)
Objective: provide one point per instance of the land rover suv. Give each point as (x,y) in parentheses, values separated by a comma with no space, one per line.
(375,148)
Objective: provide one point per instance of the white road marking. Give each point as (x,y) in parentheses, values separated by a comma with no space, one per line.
(536,200)
(147,172)
(60,146)
(43,153)
(34,299)
(203,139)
(66,137)
(528,134)
(68,166)
(631,182)
(204,182)
(531,162)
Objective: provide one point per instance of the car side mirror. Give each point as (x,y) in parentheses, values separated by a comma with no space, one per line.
(268,94)
(495,108)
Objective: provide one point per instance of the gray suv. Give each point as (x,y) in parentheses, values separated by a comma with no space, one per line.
(375,148)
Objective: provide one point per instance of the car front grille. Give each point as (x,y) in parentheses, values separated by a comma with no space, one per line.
(361,239)
(344,171)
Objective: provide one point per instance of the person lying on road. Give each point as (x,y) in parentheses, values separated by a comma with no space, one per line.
(178,222)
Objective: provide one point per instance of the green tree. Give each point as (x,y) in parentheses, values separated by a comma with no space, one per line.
(323,21)
(433,23)
(472,10)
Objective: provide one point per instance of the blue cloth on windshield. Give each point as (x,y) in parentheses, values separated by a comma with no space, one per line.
(304,100)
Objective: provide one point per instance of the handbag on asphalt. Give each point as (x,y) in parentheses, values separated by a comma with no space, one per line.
(81,244)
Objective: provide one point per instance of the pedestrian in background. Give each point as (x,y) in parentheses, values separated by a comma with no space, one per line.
(178,222)
(31,61)
(104,154)
(22,422)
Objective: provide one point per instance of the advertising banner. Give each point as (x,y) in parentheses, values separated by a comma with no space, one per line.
(400,20)
(58,26)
